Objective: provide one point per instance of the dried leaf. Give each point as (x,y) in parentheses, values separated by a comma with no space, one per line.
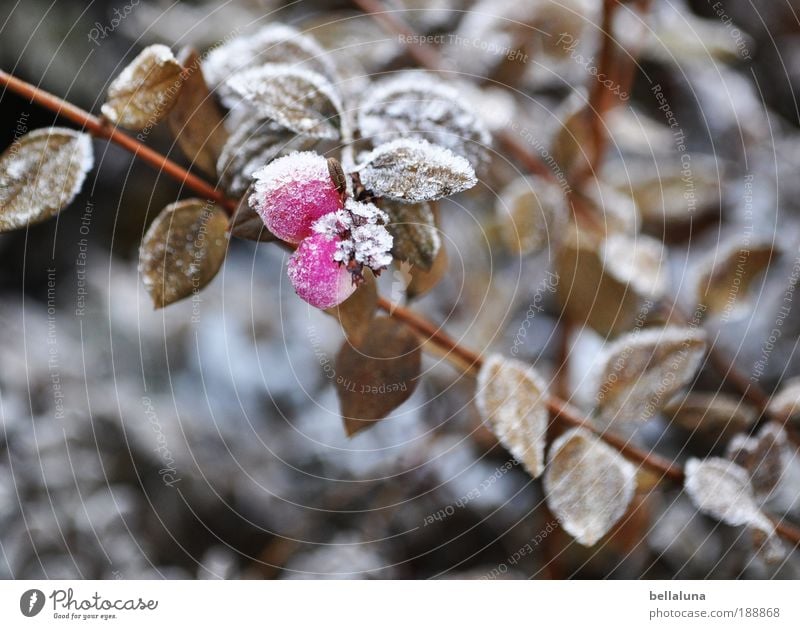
(422,281)
(419,105)
(182,250)
(377,376)
(533,213)
(145,90)
(727,275)
(512,398)
(247,224)
(588,484)
(786,403)
(356,313)
(298,99)
(196,120)
(642,370)
(716,416)
(609,284)
(413,228)
(40,174)
(765,457)
(255,142)
(721,489)
(274,43)
(415,171)
(574,143)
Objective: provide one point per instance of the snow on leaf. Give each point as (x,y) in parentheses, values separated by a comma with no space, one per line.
(512,398)
(145,91)
(274,43)
(419,105)
(721,489)
(415,171)
(532,212)
(588,484)
(298,99)
(182,250)
(413,227)
(253,143)
(642,370)
(786,403)
(764,456)
(40,174)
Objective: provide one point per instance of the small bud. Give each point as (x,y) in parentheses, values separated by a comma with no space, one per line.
(316,276)
(292,192)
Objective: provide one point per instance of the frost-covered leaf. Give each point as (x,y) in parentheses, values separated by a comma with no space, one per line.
(721,489)
(247,224)
(145,90)
(196,120)
(532,212)
(574,144)
(274,43)
(413,228)
(182,250)
(610,284)
(40,174)
(418,105)
(786,403)
(253,143)
(728,273)
(764,456)
(588,484)
(298,99)
(512,398)
(642,370)
(422,281)
(378,375)
(715,416)
(415,171)
(356,313)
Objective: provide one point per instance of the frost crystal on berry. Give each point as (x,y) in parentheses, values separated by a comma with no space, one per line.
(292,192)
(363,237)
(316,276)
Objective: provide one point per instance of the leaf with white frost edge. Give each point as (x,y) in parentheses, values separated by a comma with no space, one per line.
(415,171)
(145,91)
(721,489)
(765,456)
(532,212)
(641,371)
(40,174)
(588,484)
(298,99)
(513,399)
(420,105)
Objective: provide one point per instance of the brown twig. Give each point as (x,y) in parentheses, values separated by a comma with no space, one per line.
(560,410)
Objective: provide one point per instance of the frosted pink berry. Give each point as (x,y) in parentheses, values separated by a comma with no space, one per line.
(292,192)
(316,276)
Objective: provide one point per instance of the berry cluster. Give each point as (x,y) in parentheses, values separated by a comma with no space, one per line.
(303,200)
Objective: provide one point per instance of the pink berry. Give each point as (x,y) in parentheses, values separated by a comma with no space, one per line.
(316,276)
(292,192)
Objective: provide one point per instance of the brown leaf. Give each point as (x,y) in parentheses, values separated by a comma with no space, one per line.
(532,212)
(40,174)
(357,311)
(717,416)
(765,457)
(182,250)
(145,90)
(413,228)
(196,120)
(786,403)
(588,484)
(727,275)
(513,399)
(642,370)
(422,281)
(247,224)
(610,284)
(375,377)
